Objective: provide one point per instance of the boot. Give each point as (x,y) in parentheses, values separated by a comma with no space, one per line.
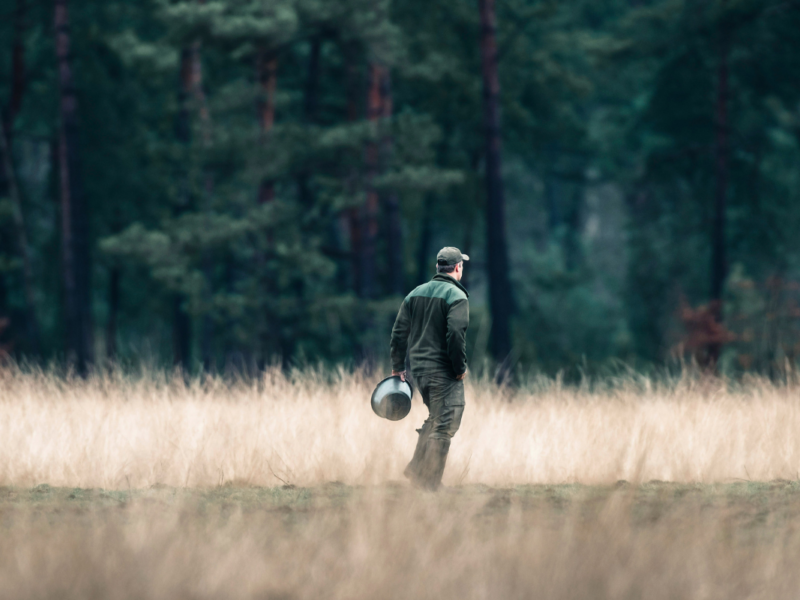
(412,471)
(433,466)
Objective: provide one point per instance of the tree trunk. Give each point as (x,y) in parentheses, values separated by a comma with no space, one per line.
(499,283)
(18,79)
(552,195)
(18,85)
(267,67)
(310,104)
(552,186)
(394,242)
(391,202)
(368,235)
(424,261)
(114,278)
(181,322)
(113,299)
(269,336)
(353,214)
(192,93)
(75,227)
(466,277)
(369,210)
(470,217)
(181,333)
(206,324)
(573,254)
(312,81)
(718,245)
(32,324)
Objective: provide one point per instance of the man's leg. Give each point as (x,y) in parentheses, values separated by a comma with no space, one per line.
(446,403)
(412,471)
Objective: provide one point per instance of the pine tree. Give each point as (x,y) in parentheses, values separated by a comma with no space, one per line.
(499,284)
(75,234)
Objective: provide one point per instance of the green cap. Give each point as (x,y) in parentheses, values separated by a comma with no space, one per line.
(450,256)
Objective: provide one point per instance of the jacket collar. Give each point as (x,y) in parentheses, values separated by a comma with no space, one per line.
(448,279)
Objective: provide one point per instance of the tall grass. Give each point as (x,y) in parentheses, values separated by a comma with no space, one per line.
(118,431)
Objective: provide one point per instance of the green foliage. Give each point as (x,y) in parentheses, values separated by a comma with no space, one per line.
(609,125)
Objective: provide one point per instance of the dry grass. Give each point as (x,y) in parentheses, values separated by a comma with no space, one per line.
(123,432)
(193,505)
(561,542)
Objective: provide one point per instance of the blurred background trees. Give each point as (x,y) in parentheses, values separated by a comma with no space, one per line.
(227,183)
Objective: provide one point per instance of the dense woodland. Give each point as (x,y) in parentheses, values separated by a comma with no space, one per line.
(228,183)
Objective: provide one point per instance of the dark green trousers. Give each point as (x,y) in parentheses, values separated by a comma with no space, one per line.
(444,397)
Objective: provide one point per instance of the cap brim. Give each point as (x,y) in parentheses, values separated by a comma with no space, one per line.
(464,257)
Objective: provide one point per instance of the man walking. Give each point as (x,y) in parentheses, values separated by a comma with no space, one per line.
(432,327)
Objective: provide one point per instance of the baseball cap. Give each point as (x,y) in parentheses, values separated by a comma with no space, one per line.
(450,256)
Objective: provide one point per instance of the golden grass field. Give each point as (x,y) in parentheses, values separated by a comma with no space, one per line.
(290,487)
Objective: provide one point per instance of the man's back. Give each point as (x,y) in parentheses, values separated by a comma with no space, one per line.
(432,325)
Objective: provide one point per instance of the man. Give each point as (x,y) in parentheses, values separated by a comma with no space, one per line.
(432,327)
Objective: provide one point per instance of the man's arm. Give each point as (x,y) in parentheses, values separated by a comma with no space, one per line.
(399,343)
(457,323)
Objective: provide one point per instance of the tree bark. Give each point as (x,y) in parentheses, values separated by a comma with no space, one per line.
(499,283)
(718,245)
(75,227)
(369,210)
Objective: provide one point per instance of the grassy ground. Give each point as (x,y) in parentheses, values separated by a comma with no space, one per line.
(779,498)
(655,540)
(219,489)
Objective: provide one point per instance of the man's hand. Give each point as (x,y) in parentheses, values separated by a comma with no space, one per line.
(402,374)
(462,377)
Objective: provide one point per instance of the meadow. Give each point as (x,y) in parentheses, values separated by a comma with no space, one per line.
(146,486)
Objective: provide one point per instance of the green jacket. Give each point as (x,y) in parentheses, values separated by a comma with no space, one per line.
(432,327)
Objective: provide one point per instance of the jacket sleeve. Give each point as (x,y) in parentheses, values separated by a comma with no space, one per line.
(399,343)
(457,323)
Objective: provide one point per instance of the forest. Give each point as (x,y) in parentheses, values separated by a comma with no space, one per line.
(227,184)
